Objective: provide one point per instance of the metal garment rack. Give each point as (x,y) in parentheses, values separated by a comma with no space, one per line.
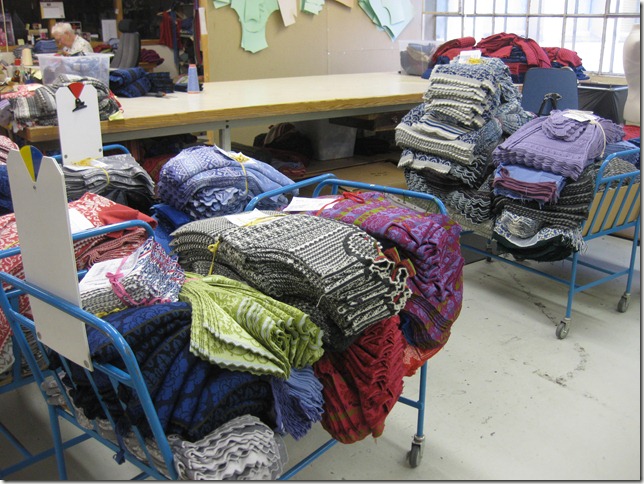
(414,456)
(616,207)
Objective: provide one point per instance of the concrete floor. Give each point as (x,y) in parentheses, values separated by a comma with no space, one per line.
(506,400)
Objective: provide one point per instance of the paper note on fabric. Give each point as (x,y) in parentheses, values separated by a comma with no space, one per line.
(347,3)
(221,3)
(288,10)
(253,15)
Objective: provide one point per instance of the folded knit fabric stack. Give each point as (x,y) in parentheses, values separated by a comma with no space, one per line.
(117,177)
(87,251)
(237,327)
(130,82)
(337,267)
(298,402)
(563,147)
(39,109)
(430,243)
(362,384)
(243,448)
(206,181)
(147,276)
(6,205)
(192,397)
(447,140)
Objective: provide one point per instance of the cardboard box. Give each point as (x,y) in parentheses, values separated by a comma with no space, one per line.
(330,141)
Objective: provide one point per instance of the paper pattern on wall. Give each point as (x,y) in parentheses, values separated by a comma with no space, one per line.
(312,6)
(288,9)
(390,15)
(347,3)
(253,15)
(221,3)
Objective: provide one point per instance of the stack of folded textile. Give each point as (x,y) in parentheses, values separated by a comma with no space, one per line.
(160,82)
(130,82)
(117,177)
(362,384)
(337,267)
(206,181)
(447,140)
(543,221)
(298,402)
(243,448)
(428,245)
(147,276)
(39,108)
(237,327)
(191,396)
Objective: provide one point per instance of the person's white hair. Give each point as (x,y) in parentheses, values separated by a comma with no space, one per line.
(61,27)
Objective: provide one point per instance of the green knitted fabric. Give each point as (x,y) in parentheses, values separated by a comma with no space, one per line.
(240,328)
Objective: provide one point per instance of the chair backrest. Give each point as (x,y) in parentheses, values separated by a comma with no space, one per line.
(129,50)
(545,89)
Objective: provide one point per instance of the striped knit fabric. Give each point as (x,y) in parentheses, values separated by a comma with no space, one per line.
(430,243)
(337,267)
(148,276)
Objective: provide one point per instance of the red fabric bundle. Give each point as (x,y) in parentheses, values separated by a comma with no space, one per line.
(362,384)
(563,56)
(452,48)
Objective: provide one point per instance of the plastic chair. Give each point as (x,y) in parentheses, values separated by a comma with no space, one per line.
(129,50)
(545,89)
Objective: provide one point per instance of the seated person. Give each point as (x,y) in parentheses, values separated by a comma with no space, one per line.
(68,41)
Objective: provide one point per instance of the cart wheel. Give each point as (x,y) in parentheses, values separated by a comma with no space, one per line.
(415,455)
(562,330)
(623,304)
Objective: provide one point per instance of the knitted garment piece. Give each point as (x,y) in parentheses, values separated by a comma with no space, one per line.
(489,84)
(40,109)
(459,153)
(87,251)
(337,267)
(298,402)
(558,144)
(243,448)
(362,384)
(191,397)
(147,276)
(523,183)
(430,242)
(114,176)
(571,209)
(206,181)
(252,318)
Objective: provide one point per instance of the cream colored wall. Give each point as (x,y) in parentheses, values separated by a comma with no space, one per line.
(338,40)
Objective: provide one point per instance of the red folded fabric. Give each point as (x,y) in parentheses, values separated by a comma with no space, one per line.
(120,213)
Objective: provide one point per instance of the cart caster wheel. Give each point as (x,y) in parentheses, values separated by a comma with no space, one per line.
(623,304)
(562,330)
(415,455)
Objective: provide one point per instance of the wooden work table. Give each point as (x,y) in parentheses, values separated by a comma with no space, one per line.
(223,105)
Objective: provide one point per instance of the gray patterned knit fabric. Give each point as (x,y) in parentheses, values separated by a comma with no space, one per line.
(336,266)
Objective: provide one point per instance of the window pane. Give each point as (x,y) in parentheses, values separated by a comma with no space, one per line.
(517,6)
(546,31)
(587,42)
(485,6)
(483,26)
(469,7)
(516,26)
(547,6)
(624,6)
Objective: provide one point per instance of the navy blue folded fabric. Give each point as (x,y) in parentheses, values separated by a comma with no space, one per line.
(130,82)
